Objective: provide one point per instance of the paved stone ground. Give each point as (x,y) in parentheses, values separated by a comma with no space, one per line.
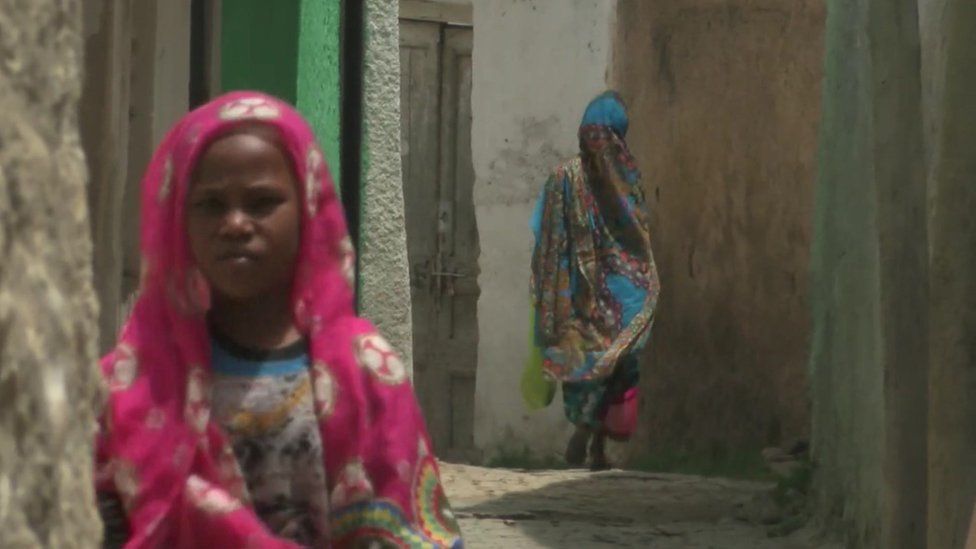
(500,508)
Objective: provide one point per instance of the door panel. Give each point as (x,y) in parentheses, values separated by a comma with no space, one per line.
(458,343)
(442,236)
(419,131)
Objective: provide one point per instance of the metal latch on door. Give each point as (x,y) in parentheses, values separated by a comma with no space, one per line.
(437,281)
(445,281)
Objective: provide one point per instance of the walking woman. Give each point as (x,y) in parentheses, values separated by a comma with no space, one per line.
(594,282)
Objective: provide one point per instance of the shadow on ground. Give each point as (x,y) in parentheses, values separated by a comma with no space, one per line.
(501,508)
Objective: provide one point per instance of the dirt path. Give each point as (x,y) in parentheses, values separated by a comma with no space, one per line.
(500,508)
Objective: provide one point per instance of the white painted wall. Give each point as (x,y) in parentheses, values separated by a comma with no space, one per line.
(536,64)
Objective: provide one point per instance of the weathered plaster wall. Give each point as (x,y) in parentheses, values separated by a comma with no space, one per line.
(870,269)
(48,312)
(158,97)
(725,99)
(104,124)
(384,271)
(846,353)
(536,64)
(899,172)
(931,23)
(136,79)
(952,315)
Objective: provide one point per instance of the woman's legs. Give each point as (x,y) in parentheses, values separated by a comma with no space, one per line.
(576,448)
(580,403)
(585,404)
(598,453)
(625,376)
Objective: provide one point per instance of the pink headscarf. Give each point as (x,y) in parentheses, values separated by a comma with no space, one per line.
(157,448)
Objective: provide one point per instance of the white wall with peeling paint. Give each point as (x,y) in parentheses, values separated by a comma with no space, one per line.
(536,64)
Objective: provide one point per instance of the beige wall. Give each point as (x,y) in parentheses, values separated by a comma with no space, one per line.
(160,96)
(536,64)
(136,86)
(104,125)
(724,99)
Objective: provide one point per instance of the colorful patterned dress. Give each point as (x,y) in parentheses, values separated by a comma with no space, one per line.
(594,282)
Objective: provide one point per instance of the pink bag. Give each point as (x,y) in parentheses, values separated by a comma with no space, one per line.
(621,418)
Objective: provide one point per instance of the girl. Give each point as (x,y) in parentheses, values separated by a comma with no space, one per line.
(248,406)
(594,282)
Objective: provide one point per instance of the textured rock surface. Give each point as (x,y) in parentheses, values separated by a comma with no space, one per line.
(385,276)
(48,380)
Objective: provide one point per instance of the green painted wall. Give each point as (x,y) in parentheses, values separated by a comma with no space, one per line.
(292,52)
(870,268)
(318,89)
(259,46)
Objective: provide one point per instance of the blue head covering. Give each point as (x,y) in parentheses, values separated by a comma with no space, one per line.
(607,109)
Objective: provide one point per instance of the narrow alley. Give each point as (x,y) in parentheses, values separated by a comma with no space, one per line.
(672,274)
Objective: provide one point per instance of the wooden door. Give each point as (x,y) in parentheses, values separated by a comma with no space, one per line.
(442,237)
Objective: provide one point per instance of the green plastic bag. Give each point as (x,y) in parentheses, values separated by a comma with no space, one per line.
(538,389)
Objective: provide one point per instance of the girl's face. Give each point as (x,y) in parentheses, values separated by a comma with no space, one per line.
(243,215)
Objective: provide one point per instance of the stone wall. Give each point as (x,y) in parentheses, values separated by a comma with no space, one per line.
(48,324)
(384,270)
(724,98)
